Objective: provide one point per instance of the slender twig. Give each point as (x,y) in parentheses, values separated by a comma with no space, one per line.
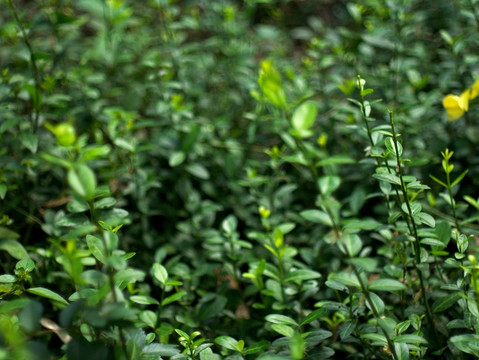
(36,73)
(417,246)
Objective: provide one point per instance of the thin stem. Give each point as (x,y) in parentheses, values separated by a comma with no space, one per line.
(451,198)
(36,73)
(474,13)
(314,174)
(110,273)
(417,246)
(365,291)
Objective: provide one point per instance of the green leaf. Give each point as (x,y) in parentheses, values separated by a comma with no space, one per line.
(389,142)
(443,232)
(313,316)
(198,170)
(378,303)
(438,181)
(387,285)
(410,339)
(6,233)
(229,224)
(82,180)
(282,329)
(14,248)
(30,141)
(256,347)
(56,160)
(40,291)
(159,273)
(297,345)
(390,178)
(149,318)
(425,218)
(124,144)
(127,276)
(177,158)
(227,342)
(445,302)
(336,160)
(6,278)
(402,351)
(366,264)
(281,319)
(378,339)
(345,278)
(301,275)
(94,152)
(166,350)
(3,190)
(316,216)
(26,263)
(303,118)
(144,300)
(433,243)
(459,178)
(95,245)
(269,81)
(468,343)
(350,244)
(328,184)
(173,298)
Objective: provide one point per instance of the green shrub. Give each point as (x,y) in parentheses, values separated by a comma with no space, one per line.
(213,179)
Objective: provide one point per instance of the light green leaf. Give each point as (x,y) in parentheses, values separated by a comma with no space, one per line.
(425,218)
(316,216)
(144,300)
(14,248)
(410,339)
(40,291)
(350,244)
(282,329)
(173,298)
(227,342)
(6,278)
(390,178)
(345,278)
(303,118)
(402,351)
(177,158)
(3,190)
(366,264)
(82,180)
(301,275)
(281,319)
(159,273)
(95,245)
(328,184)
(387,285)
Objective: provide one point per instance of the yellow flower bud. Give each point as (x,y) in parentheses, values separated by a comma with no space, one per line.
(264,212)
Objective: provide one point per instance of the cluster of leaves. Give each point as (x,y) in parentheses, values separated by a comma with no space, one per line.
(212,179)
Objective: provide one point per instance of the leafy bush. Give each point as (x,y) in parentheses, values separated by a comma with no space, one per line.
(213,179)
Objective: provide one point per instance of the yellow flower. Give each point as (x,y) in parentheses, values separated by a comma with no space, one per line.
(474,90)
(456,106)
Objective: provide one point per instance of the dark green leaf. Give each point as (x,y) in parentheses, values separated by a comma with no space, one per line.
(445,302)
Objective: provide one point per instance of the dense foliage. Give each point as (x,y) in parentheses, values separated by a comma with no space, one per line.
(240,179)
